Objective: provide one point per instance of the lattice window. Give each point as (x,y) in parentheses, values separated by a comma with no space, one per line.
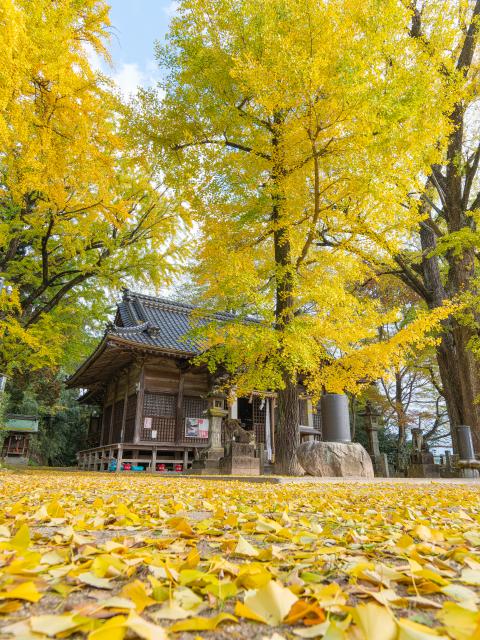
(159,404)
(259,416)
(193,407)
(160,407)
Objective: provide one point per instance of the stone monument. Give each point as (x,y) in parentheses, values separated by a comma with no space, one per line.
(337,456)
(421,462)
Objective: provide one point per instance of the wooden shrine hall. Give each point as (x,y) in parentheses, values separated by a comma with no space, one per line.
(152,404)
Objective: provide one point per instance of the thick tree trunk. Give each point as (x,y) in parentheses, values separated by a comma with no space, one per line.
(460,380)
(287,435)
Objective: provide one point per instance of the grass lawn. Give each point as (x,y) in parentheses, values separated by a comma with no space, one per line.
(109,556)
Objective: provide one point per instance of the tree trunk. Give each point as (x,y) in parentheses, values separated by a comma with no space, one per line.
(401,455)
(460,380)
(287,435)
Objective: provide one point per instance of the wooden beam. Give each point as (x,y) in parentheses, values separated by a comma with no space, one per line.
(112,414)
(125,406)
(140,397)
(179,410)
(102,432)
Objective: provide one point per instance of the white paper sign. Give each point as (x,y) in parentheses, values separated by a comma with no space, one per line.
(154,433)
(147,423)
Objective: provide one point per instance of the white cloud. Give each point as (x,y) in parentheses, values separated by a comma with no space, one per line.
(171,8)
(129,76)
(96,61)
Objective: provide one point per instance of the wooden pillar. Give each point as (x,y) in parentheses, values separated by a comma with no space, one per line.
(185,459)
(273,426)
(119,459)
(102,432)
(179,411)
(125,403)
(154,459)
(112,414)
(140,397)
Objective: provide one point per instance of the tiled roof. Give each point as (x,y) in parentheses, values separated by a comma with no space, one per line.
(146,323)
(157,322)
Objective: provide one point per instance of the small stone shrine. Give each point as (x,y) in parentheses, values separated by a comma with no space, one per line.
(421,462)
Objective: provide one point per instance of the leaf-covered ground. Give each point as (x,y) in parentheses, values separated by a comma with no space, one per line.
(113,556)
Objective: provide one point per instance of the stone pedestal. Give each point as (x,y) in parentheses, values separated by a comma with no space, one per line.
(335,459)
(380,465)
(421,463)
(423,470)
(208,463)
(240,460)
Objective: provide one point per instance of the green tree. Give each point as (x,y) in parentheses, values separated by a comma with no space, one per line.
(62,421)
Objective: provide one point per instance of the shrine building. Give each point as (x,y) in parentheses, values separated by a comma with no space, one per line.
(150,401)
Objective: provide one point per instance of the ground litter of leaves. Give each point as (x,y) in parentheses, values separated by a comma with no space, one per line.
(113,556)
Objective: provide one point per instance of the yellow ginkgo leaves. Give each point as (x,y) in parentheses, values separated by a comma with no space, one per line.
(154,558)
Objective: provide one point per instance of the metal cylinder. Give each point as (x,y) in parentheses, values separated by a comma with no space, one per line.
(335,418)
(465,442)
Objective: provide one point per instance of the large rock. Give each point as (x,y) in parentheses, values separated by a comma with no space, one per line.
(335,459)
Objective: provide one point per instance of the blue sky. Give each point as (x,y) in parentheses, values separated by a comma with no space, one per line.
(136,24)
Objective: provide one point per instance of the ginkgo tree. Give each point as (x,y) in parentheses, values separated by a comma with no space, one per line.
(295,130)
(441,260)
(80,207)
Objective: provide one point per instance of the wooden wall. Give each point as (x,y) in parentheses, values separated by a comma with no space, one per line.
(162,375)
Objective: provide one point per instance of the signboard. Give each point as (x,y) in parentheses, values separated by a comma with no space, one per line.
(196,427)
(147,423)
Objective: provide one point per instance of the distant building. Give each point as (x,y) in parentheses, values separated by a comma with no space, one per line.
(16,444)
